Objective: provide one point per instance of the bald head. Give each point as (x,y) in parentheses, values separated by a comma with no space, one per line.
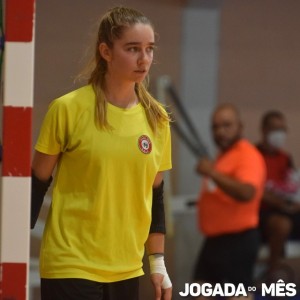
(227,109)
(226,126)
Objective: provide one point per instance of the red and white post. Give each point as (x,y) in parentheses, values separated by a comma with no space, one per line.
(17,148)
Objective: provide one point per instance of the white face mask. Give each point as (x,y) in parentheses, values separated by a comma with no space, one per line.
(277,138)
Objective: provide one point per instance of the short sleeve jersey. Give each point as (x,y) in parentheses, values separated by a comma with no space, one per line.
(278,164)
(218,212)
(100,214)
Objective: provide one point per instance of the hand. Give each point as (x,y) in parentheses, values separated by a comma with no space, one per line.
(291,207)
(205,167)
(160,293)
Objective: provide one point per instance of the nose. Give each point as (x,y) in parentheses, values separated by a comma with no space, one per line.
(144,57)
(219,131)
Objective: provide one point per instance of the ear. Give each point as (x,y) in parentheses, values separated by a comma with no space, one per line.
(105,52)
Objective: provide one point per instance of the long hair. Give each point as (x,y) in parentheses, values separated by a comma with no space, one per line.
(111,28)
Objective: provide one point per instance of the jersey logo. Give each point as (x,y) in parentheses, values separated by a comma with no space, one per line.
(145,144)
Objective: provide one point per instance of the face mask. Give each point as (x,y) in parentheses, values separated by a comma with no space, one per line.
(277,138)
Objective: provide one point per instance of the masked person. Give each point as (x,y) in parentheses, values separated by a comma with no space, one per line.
(228,206)
(280,211)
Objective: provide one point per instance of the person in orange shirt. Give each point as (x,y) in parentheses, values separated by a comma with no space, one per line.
(228,204)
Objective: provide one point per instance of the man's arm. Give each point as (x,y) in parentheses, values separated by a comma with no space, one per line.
(234,188)
(273,199)
(278,202)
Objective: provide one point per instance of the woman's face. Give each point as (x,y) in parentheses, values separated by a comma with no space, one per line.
(131,56)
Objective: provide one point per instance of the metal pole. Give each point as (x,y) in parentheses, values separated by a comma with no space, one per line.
(17,147)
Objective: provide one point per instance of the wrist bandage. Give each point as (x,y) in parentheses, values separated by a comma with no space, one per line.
(157,265)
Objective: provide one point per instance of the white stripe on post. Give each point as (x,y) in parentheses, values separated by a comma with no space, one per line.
(15,219)
(19,74)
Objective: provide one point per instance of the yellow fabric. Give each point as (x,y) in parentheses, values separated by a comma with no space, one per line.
(101,204)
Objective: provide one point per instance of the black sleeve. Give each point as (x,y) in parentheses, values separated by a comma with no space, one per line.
(158,210)
(38,192)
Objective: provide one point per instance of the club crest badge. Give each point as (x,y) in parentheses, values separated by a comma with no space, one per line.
(145,144)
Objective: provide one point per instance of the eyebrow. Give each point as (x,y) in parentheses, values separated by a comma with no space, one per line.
(138,43)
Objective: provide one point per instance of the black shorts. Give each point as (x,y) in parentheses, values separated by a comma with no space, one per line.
(228,258)
(82,289)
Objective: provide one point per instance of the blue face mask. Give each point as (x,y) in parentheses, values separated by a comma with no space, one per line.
(277,138)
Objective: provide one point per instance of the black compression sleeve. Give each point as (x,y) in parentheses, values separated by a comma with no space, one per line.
(38,192)
(158,210)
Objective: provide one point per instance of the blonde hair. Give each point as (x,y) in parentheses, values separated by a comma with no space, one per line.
(111,28)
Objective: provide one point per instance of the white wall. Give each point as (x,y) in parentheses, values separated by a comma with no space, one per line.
(200,52)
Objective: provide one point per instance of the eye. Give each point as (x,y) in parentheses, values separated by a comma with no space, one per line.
(150,49)
(133,49)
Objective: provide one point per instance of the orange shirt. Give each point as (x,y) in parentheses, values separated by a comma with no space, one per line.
(219,213)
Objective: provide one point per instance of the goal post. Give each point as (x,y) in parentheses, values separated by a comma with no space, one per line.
(18,79)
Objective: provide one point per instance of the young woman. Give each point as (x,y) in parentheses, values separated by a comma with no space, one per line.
(110,142)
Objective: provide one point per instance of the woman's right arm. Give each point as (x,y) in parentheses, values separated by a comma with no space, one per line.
(43,165)
(41,178)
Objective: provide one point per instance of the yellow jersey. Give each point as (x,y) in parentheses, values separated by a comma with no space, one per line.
(100,213)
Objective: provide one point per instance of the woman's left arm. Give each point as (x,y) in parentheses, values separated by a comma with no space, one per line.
(155,244)
(156,239)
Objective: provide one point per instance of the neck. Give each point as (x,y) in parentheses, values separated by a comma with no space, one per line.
(122,101)
(121,94)
(268,148)
(229,146)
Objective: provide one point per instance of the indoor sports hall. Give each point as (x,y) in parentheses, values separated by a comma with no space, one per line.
(226,72)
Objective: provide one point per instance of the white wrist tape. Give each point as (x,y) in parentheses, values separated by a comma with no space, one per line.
(157,265)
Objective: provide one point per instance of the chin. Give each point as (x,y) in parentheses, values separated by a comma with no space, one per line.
(139,80)
(140,77)
(223,145)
